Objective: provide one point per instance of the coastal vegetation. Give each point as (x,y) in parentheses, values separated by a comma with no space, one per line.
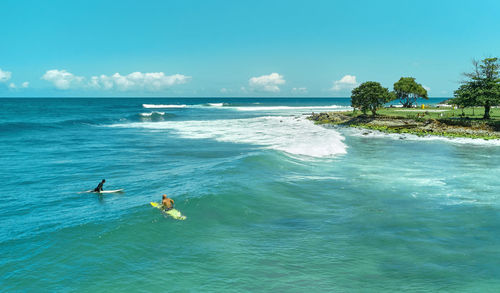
(472,113)
(407,90)
(370,95)
(432,121)
(482,87)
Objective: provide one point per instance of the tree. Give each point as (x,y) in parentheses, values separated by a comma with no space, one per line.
(407,90)
(465,95)
(370,95)
(482,87)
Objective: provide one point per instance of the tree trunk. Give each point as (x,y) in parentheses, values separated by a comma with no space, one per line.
(406,103)
(487,108)
(374,112)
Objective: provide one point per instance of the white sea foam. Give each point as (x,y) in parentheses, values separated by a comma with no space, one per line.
(274,109)
(153,106)
(152,113)
(311,177)
(292,135)
(278,108)
(406,136)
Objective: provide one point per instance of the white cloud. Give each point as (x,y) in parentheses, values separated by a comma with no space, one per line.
(347,82)
(427,88)
(267,83)
(224,90)
(299,90)
(62,79)
(13,86)
(150,81)
(5,75)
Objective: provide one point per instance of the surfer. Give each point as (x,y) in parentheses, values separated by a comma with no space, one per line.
(99,187)
(167,203)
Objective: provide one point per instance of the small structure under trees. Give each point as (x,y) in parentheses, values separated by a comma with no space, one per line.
(370,96)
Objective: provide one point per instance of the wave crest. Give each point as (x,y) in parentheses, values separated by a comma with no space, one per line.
(150,114)
(293,135)
(277,108)
(160,106)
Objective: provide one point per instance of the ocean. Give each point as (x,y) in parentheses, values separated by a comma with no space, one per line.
(273,202)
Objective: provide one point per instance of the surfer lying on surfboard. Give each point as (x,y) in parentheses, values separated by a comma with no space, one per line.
(167,203)
(99,187)
(100,190)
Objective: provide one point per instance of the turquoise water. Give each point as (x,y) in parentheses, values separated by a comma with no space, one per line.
(273,202)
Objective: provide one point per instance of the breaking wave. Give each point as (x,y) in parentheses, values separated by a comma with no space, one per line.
(293,135)
(150,114)
(153,106)
(277,108)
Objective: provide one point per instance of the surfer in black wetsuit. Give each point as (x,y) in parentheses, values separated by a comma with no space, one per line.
(99,187)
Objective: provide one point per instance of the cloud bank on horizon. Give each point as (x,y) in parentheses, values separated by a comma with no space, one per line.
(135,81)
(64,80)
(159,82)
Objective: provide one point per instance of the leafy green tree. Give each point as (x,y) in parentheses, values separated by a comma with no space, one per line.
(407,90)
(370,96)
(465,95)
(482,87)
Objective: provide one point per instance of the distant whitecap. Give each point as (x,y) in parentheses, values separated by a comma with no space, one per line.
(153,106)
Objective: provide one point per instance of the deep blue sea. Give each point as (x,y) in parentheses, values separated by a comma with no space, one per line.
(273,202)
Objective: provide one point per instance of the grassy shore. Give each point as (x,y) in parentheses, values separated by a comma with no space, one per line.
(440,113)
(429,121)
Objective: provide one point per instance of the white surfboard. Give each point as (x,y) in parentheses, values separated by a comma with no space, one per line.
(103,191)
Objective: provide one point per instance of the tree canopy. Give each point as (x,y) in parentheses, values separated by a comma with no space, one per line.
(407,90)
(370,96)
(482,88)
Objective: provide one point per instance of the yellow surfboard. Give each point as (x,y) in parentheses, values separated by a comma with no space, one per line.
(172,212)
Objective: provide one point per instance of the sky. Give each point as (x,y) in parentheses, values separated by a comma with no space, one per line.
(272,48)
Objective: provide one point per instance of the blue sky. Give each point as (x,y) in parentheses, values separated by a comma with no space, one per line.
(238,48)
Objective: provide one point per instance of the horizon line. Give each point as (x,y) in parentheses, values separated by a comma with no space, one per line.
(180,97)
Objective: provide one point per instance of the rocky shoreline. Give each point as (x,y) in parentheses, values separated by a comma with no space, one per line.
(420,126)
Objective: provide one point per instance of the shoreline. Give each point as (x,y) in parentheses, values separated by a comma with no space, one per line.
(464,128)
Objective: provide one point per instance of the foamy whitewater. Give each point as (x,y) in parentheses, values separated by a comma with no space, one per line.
(152,106)
(274,203)
(290,134)
(152,113)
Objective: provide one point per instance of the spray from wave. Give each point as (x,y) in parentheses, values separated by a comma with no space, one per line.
(293,135)
(152,114)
